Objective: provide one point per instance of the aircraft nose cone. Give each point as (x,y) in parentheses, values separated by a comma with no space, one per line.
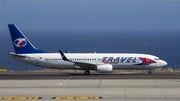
(163,63)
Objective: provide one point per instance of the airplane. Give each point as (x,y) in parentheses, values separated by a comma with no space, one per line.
(100,62)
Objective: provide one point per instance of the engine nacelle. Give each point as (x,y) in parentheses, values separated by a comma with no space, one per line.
(106,68)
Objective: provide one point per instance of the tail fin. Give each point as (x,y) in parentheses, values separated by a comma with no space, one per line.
(21,44)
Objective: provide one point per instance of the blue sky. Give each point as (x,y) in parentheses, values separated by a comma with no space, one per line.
(91,14)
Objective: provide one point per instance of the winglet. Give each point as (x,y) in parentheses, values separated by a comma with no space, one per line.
(67,51)
(63,56)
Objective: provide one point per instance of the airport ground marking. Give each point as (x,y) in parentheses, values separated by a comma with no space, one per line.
(20,98)
(176,74)
(76,97)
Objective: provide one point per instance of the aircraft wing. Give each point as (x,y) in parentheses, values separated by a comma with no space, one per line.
(16,55)
(82,65)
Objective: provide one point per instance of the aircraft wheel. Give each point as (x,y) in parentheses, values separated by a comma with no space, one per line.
(150,72)
(87,72)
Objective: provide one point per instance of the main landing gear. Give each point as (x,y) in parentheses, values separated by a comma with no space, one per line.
(87,72)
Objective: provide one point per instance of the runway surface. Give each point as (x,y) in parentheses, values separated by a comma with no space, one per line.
(116,86)
(93,75)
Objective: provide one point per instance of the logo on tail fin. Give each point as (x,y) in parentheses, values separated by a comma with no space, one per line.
(20,42)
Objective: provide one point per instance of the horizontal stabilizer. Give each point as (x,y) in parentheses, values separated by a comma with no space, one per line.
(16,55)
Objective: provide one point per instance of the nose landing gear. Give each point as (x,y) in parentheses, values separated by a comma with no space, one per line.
(150,72)
(87,72)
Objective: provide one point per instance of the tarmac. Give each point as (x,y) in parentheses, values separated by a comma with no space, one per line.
(64,86)
(94,75)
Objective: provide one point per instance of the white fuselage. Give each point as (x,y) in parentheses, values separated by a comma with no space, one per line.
(118,61)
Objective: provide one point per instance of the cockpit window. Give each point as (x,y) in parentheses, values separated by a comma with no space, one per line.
(156,58)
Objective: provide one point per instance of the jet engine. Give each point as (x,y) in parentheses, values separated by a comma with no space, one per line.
(106,68)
